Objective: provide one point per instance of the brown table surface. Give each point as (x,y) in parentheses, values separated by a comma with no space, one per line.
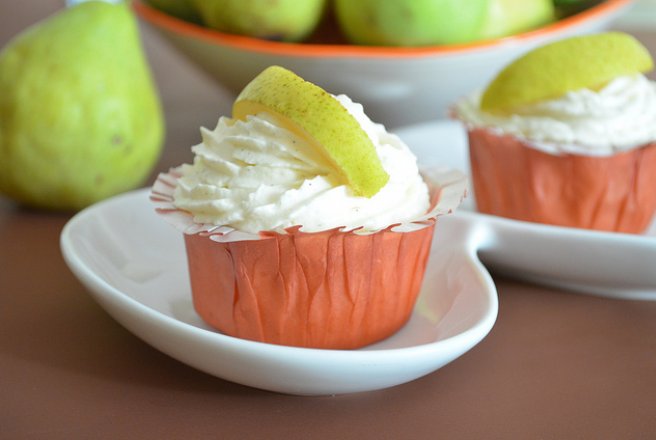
(556,365)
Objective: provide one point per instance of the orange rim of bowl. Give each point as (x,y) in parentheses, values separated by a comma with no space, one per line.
(179,26)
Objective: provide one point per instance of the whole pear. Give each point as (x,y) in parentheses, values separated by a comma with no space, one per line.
(280,20)
(508,17)
(410,22)
(80,119)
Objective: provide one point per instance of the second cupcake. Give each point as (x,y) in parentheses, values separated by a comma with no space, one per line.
(566,135)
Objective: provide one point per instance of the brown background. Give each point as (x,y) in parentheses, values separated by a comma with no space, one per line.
(556,365)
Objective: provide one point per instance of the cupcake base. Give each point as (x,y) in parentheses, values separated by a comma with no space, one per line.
(609,193)
(328,289)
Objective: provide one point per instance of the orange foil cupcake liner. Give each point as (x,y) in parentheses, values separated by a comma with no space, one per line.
(332,289)
(610,193)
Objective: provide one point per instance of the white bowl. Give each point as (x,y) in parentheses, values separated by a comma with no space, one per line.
(397,86)
(134,265)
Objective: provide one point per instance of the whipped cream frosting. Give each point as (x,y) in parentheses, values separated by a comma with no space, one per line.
(619,117)
(255,175)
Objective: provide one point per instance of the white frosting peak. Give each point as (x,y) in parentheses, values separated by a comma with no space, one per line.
(619,117)
(255,175)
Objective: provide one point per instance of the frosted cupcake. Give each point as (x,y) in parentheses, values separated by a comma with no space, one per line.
(290,242)
(566,135)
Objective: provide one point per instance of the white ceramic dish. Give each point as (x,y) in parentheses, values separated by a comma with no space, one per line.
(397,86)
(601,263)
(134,265)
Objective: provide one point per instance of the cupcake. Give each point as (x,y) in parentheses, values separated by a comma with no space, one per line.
(305,223)
(566,135)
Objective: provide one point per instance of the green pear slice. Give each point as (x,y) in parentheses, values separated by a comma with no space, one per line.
(316,115)
(550,71)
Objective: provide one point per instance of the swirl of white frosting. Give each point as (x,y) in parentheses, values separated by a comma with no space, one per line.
(619,117)
(255,175)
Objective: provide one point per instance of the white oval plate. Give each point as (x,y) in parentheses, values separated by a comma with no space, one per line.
(601,263)
(134,265)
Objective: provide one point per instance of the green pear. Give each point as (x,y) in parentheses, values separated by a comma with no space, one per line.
(509,17)
(80,119)
(315,114)
(182,9)
(410,22)
(280,20)
(575,63)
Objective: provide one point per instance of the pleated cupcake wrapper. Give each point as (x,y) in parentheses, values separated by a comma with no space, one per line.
(512,179)
(333,289)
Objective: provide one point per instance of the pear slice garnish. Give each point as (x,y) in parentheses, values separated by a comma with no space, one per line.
(313,113)
(567,65)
